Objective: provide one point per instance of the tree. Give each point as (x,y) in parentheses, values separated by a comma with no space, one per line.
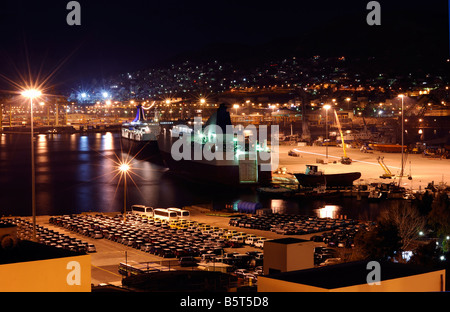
(426,255)
(408,221)
(380,243)
(439,216)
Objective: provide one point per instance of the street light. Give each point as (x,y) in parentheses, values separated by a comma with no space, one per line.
(326,107)
(31,94)
(403,132)
(123,168)
(236,106)
(348,103)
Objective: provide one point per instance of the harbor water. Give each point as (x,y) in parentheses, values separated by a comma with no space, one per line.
(78,173)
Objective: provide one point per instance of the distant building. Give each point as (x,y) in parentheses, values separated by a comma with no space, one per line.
(287,254)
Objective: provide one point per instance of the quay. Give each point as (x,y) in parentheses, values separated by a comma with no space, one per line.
(422,170)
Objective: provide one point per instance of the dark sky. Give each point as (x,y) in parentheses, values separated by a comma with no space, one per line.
(121,36)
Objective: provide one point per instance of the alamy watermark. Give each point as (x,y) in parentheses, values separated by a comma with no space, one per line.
(374,276)
(74,16)
(237,143)
(374,16)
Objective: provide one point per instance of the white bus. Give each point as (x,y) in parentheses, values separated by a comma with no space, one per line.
(181,213)
(164,214)
(142,210)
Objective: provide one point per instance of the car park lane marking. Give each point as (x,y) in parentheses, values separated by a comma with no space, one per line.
(106,271)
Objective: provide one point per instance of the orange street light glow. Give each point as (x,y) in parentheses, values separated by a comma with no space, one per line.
(31,93)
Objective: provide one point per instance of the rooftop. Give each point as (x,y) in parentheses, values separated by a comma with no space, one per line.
(31,251)
(288,240)
(347,274)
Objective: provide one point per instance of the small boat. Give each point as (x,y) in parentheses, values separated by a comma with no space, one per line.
(388,148)
(408,195)
(313,178)
(375,195)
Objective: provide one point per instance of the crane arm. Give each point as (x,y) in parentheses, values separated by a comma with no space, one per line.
(340,131)
(385,168)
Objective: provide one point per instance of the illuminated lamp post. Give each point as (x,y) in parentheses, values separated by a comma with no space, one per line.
(326,107)
(31,94)
(236,106)
(123,168)
(403,133)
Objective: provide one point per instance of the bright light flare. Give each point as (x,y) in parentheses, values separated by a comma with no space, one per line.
(31,93)
(327,106)
(124,167)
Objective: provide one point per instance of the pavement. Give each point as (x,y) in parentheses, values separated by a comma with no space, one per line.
(105,261)
(422,170)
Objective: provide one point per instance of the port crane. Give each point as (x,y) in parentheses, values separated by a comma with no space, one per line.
(345,160)
(388,174)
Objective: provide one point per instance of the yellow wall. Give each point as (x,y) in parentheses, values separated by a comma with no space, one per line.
(70,274)
(266,284)
(417,283)
(427,282)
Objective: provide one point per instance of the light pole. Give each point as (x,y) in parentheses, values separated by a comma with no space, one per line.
(403,132)
(236,106)
(326,107)
(31,94)
(124,167)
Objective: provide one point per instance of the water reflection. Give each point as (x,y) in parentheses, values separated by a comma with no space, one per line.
(328,211)
(107,142)
(75,173)
(83,144)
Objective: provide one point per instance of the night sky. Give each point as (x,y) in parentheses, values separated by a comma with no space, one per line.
(122,36)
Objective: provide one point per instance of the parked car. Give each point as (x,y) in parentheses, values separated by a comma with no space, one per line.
(330,261)
(187,261)
(91,248)
(241,272)
(260,243)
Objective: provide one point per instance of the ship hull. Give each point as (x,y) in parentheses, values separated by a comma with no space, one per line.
(144,150)
(339,180)
(203,171)
(388,148)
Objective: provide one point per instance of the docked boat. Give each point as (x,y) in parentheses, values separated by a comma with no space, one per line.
(375,195)
(313,178)
(192,150)
(388,148)
(139,137)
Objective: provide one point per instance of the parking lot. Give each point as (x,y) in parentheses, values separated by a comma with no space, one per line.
(205,237)
(136,241)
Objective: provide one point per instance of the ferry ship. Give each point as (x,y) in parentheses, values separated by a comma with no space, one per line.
(140,136)
(246,167)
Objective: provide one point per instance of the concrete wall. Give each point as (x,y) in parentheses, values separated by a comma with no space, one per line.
(427,282)
(68,274)
(288,257)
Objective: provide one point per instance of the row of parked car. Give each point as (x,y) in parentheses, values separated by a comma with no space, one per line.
(288,224)
(342,237)
(183,239)
(51,237)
